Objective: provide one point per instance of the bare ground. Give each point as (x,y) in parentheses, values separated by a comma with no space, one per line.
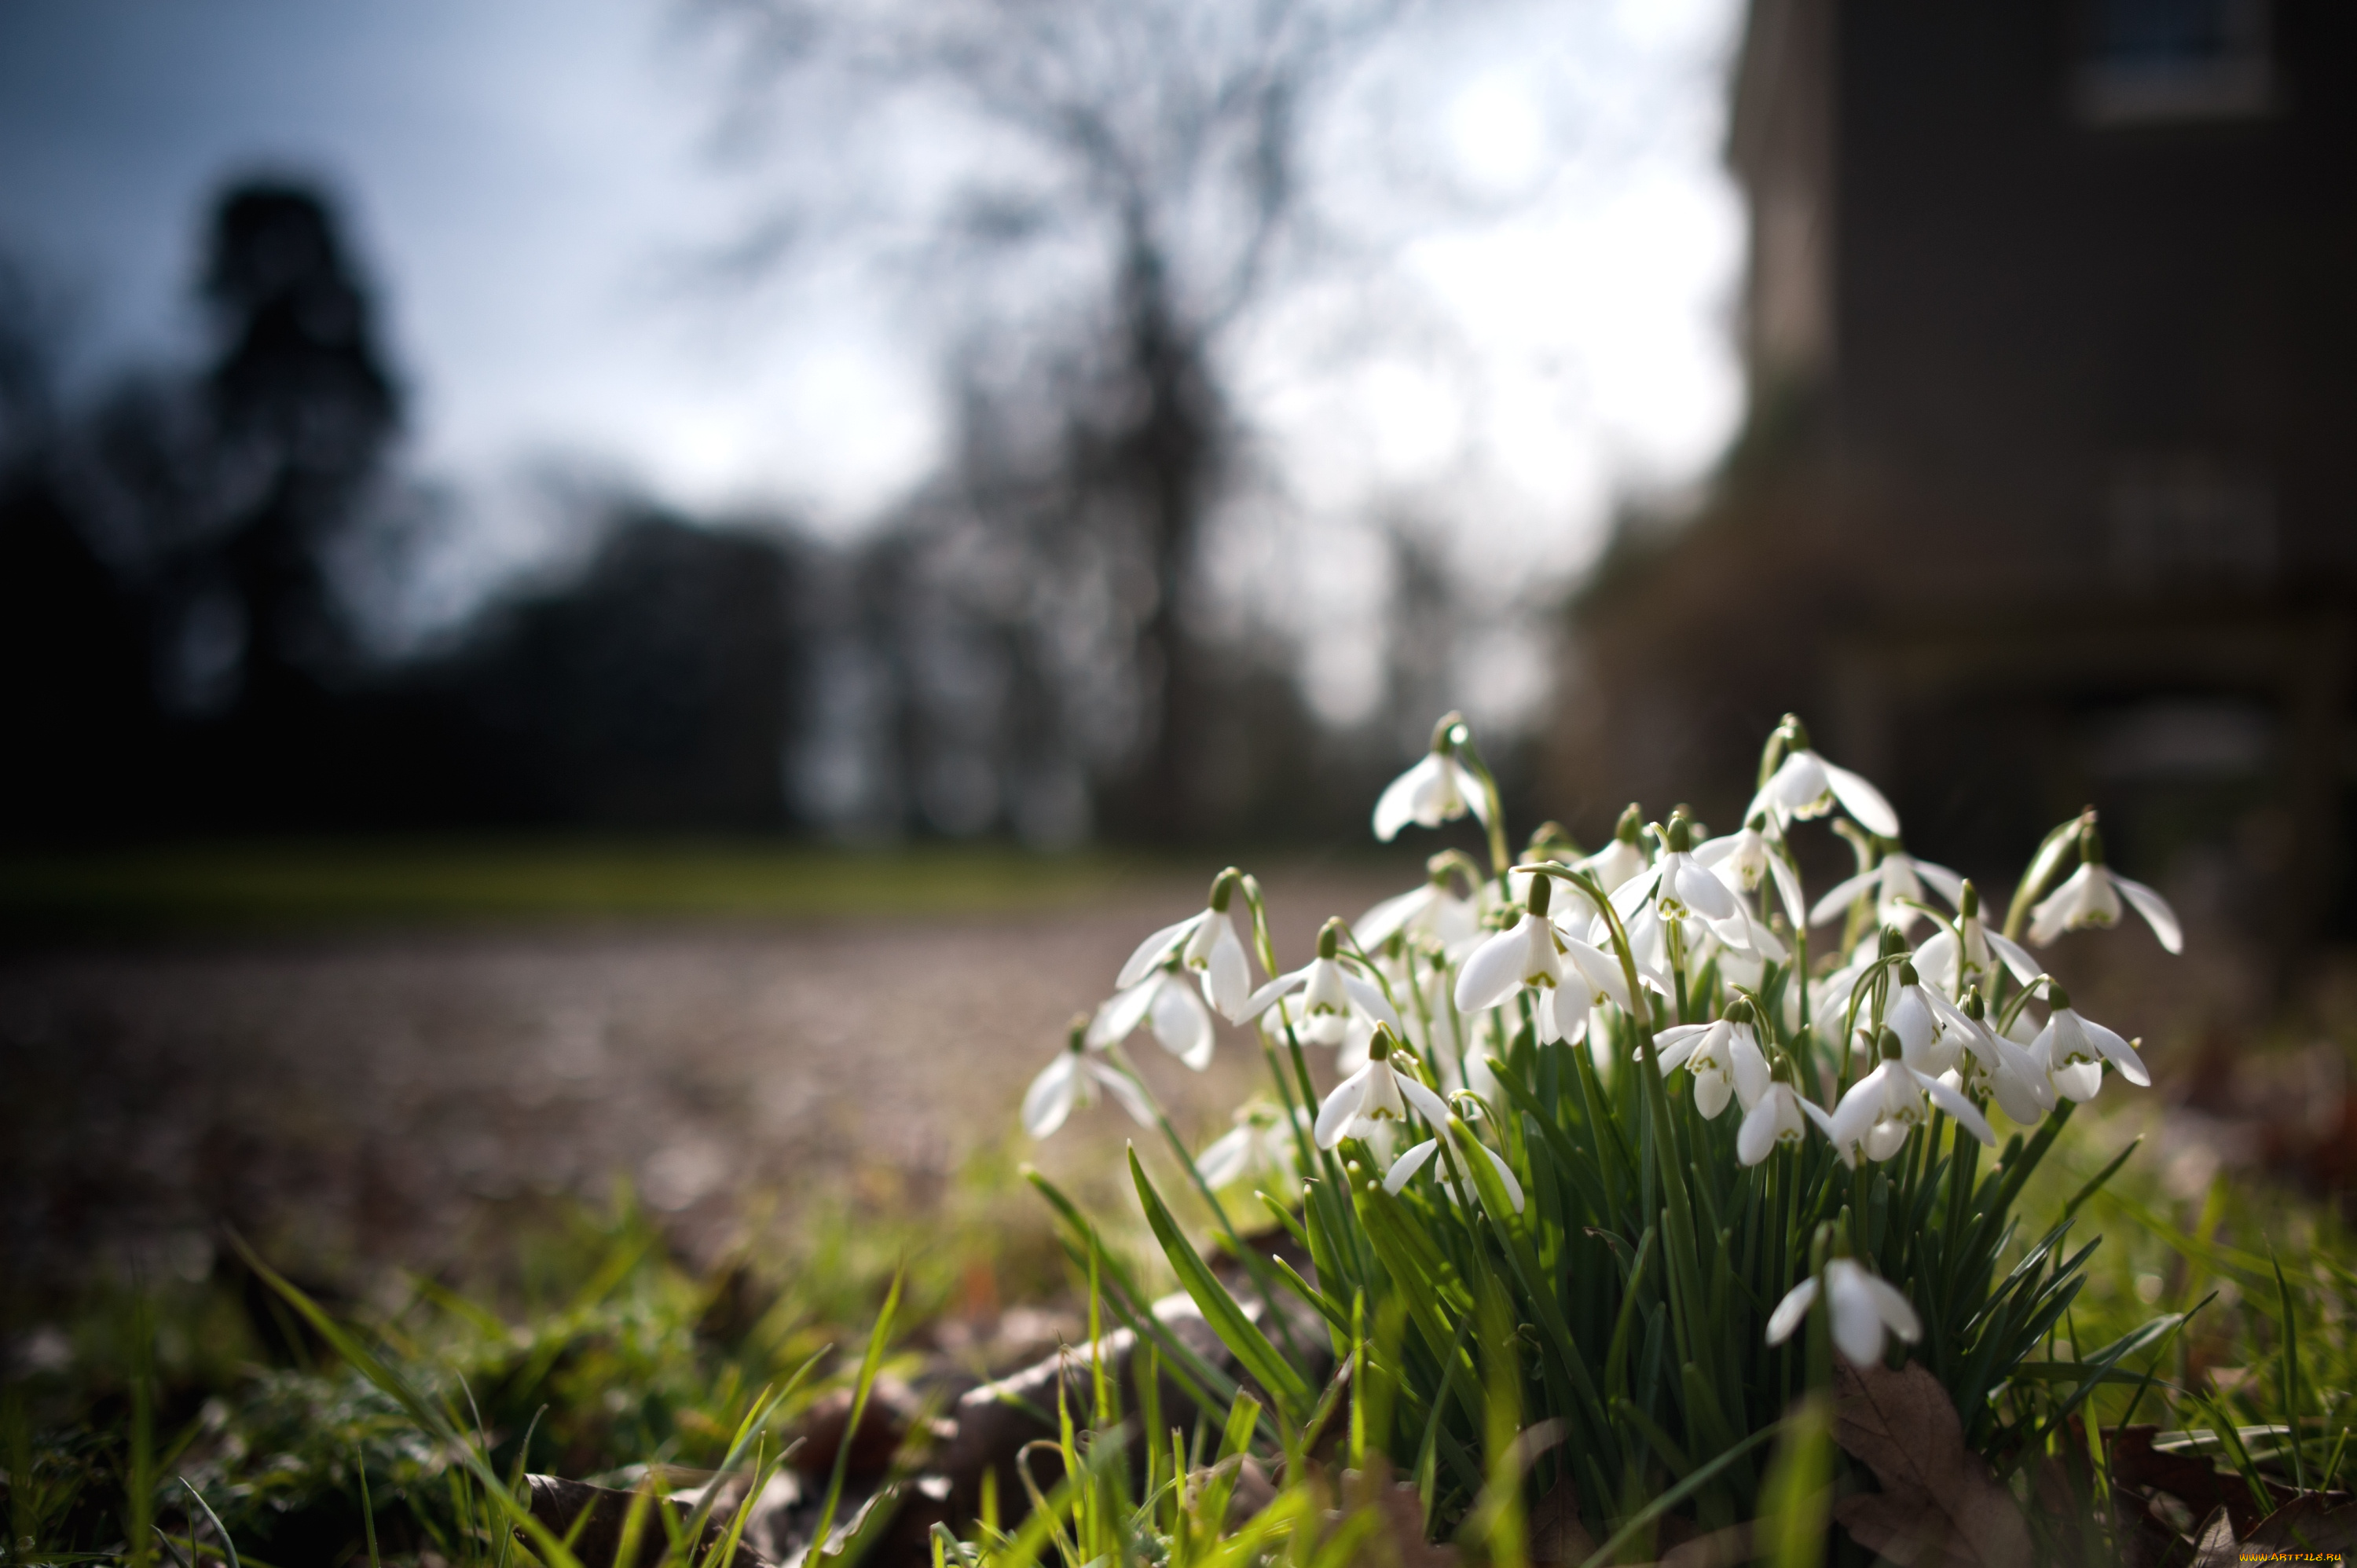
(369,1099)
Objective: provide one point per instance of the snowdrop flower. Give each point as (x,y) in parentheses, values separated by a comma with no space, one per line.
(1433,912)
(1863,1306)
(1746,860)
(1880,1109)
(1897,882)
(1436,790)
(1679,886)
(1259,1145)
(2003,1068)
(1777,1116)
(1805,785)
(1073,1079)
(2090,897)
(1527,953)
(1205,944)
(1723,1056)
(1590,978)
(1959,958)
(1181,1023)
(2072,1051)
(1930,1031)
(1624,857)
(1375,1094)
(1333,993)
(1404,1169)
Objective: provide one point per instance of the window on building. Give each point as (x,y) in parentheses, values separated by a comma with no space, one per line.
(2148,61)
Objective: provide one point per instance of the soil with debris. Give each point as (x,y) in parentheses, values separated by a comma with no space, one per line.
(361,1099)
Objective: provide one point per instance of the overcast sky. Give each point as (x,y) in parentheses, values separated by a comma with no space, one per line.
(531,185)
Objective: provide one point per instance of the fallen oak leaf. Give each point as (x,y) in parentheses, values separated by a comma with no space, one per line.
(2316,1522)
(2189,1477)
(1938,1503)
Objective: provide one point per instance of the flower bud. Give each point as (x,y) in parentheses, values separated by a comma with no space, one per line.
(1631,827)
(1894,941)
(2091,842)
(1450,733)
(2056,996)
(1795,732)
(1970,903)
(1076,1039)
(1223,889)
(1907,976)
(1380,1047)
(1739,1013)
(1330,936)
(1891,1049)
(1541,893)
(1680,838)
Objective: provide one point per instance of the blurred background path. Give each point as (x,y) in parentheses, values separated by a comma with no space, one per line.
(375,1097)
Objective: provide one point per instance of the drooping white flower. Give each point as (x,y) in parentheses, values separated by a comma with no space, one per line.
(1677,887)
(1746,860)
(1723,1056)
(1897,882)
(1433,912)
(2003,1068)
(1863,1304)
(1777,1116)
(1182,1025)
(1880,1109)
(1959,958)
(1207,945)
(1930,1031)
(1623,857)
(1404,1169)
(1260,1146)
(1073,1079)
(1376,1094)
(1527,953)
(1590,978)
(1333,994)
(2072,1051)
(1805,785)
(1438,790)
(2089,898)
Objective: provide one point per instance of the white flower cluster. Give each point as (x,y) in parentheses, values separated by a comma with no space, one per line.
(1691,946)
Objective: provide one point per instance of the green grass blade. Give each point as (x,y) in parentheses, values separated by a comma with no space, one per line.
(1236,1331)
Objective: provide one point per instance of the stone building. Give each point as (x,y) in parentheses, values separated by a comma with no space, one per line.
(2048,492)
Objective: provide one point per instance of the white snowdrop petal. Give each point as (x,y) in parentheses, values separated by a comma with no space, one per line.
(2121,1054)
(1387,919)
(1334,1117)
(1966,1113)
(2013,956)
(1792,1310)
(1121,1013)
(1948,884)
(1049,1099)
(1404,1169)
(1183,1026)
(1505,1176)
(1757,1136)
(1429,1105)
(1154,949)
(1396,807)
(1470,790)
(1370,1000)
(1124,1090)
(1861,800)
(1842,895)
(1857,1326)
(1890,1304)
(2155,910)
(1227,1157)
(1494,970)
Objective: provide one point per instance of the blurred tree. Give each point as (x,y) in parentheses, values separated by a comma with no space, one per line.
(1124,183)
(303,409)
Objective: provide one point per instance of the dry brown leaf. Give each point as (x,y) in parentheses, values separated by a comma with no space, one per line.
(1398,1540)
(2320,1521)
(1939,1502)
(1556,1535)
(2214,1545)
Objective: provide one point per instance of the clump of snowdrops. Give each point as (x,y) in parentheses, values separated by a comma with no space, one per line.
(1628,1145)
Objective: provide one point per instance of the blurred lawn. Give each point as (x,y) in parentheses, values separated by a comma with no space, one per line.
(297,884)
